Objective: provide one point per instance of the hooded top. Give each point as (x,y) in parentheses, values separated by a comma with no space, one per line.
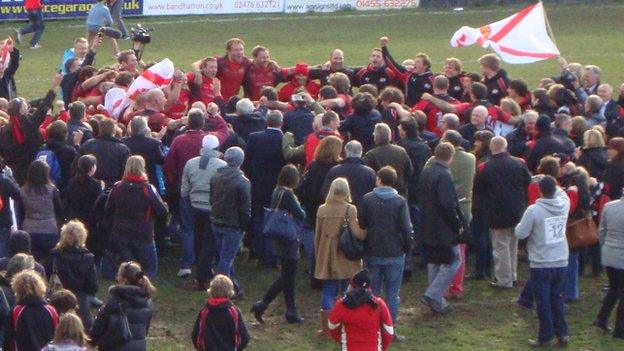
(544,224)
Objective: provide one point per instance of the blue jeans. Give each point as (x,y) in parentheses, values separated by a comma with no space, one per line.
(480,228)
(116,10)
(332,288)
(5,233)
(187,216)
(143,253)
(571,285)
(35,24)
(387,272)
(547,290)
(440,278)
(526,296)
(228,242)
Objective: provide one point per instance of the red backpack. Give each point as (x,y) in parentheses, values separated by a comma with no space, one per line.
(199,342)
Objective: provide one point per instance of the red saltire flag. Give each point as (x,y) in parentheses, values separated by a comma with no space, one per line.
(6,46)
(157,76)
(520,38)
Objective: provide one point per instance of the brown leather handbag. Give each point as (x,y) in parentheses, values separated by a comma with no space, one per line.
(582,233)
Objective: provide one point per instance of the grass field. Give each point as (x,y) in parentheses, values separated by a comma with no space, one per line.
(484,319)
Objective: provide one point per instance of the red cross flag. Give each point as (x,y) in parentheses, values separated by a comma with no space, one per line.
(520,38)
(6,46)
(157,76)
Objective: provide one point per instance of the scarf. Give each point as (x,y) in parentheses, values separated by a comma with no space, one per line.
(16,130)
(135,178)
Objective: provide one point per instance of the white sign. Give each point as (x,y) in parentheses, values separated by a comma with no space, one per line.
(204,7)
(303,6)
(555,229)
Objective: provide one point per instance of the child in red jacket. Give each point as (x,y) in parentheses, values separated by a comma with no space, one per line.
(361,321)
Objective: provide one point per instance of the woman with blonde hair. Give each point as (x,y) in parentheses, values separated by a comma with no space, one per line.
(593,155)
(32,321)
(332,267)
(512,107)
(75,266)
(133,205)
(130,296)
(69,335)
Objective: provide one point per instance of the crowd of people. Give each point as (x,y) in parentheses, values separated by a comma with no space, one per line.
(419,170)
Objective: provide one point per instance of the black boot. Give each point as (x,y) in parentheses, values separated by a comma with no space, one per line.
(258,309)
(292,316)
(618,331)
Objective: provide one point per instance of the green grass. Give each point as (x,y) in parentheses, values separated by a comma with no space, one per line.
(484,319)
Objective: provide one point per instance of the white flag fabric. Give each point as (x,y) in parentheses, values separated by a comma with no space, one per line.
(6,46)
(157,76)
(520,38)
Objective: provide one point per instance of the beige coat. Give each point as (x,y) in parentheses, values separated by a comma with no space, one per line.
(330,261)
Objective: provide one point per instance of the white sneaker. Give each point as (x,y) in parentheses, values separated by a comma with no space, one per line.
(184,272)
(35,47)
(18,36)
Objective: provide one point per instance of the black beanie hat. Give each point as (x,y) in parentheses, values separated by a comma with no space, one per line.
(361,280)
(543,124)
(19,242)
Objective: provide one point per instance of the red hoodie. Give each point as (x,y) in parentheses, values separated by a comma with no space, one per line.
(32,5)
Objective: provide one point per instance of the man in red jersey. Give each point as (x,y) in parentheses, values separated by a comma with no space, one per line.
(300,79)
(263,72)
(434,114)
(204,85)
(128,62)
(376,72)
(35,23)
(232,67)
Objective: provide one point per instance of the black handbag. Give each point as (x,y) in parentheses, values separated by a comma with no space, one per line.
(351,247)
(119,332)
(279,224)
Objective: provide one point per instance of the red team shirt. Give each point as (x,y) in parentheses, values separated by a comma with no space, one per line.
(231,75)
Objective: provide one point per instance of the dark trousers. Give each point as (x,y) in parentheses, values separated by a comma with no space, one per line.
(285,283)
(547,284)
(591,254)
(35,24)
(614,294)
(480,229)
(208,246)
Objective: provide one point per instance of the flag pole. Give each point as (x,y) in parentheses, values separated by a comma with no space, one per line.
(548,28)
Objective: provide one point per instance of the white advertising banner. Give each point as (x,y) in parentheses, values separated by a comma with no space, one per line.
(303,6)
(204,7)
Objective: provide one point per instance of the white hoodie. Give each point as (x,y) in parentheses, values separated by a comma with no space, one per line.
(544,224)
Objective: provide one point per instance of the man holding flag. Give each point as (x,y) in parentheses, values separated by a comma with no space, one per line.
(9,63)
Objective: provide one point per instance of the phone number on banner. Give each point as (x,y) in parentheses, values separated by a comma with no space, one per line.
(198,7)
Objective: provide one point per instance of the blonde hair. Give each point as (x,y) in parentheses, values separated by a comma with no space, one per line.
(491,61)
(584,175)
(73,235)
(70,328)
(131,273)
(329,150)
(593,138)
(454,63)
(135,166)
(28,283)
(339,188)
(510,105)
(340,82)
(221,286)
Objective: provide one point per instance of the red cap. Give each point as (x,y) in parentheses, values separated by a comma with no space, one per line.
(302,68)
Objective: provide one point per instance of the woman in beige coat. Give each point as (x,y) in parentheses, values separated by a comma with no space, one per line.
(332,267)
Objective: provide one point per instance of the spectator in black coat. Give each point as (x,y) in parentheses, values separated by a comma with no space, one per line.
(8,190)
(545,143)
(223,324)
(131,296)
(593,155)
(247,120)
(65,154)
(32,320)
(75,266)
(561,131)
(501,182)
(263,162)
(418,152)
(20,138)
(75,123)
(519,138)
(7,74)
(299,121)
(610,108)
(19,243)
(478,120)
(361,178)
(110,152)
(133,204)
(614,174)
(441,223)
(141,143)
(361,124)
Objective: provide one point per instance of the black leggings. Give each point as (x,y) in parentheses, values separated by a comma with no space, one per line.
(285,283)
(615,294)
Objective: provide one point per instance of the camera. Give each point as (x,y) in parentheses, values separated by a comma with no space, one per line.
(141,34)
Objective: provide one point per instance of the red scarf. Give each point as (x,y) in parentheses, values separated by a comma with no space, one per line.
(135,178)
(16,130)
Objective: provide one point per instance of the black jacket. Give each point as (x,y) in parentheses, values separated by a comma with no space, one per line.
(361,179)
(309,189)
(76,269)
(467,132)
(502,182)
(568,144)
(111,156)
(441,217)
(7,82)
(594,160)
(133,206)
(244,125)
(418,152)
(8,190)
(151,151)
(497,86)
(614,177)
(516,141)
(71,79)
(219,328)
(137,307)
(264,160)
(80,196)
(74,126)
(360,128)
(545,144)
(65,155)
(35,325)
(299,122)
(389,235)
(289,203)
(391,155)
(230,198)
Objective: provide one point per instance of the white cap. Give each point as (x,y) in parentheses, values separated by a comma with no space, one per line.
(210,142)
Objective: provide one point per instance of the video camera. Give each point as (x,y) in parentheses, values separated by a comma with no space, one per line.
(141,34)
